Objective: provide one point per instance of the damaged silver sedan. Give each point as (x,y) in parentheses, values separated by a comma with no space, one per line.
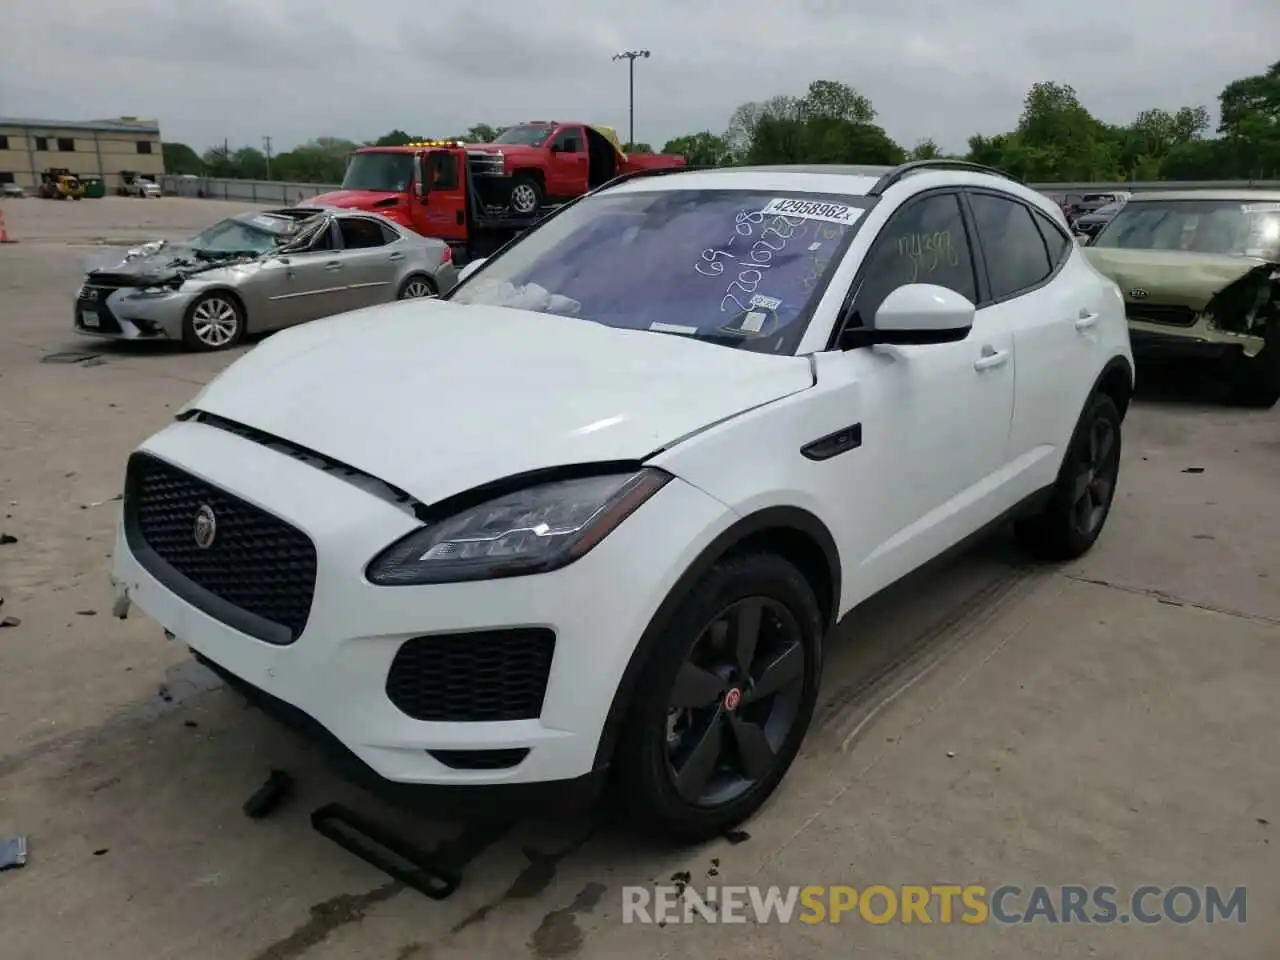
(259,272)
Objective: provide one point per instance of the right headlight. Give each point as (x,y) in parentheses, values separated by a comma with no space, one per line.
(533,530)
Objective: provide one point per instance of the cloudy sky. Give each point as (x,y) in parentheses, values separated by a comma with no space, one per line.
(209,69)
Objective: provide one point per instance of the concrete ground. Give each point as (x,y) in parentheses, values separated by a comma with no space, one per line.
(1110,722)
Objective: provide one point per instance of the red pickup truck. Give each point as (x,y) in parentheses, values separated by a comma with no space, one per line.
(546,161)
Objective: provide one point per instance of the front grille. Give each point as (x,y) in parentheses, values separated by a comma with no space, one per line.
(483,677)
(259,573)
(1155,313)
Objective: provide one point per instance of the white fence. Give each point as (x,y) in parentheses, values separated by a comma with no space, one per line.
(276,191)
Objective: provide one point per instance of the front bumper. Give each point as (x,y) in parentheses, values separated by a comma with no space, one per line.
(120,314)
(336,672)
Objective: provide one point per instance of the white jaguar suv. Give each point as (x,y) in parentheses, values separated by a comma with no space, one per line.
(593,515)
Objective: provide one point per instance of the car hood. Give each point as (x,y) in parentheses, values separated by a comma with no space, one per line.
(1173,277)
(160,263)
(436,398)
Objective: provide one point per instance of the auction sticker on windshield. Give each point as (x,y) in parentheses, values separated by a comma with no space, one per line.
(813,210)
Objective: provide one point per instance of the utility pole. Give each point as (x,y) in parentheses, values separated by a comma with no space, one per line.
(631,56)
(266,142)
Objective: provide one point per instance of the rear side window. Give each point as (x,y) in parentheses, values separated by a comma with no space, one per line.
(359,233)
(1015,252)
(1059,243)
(924,242)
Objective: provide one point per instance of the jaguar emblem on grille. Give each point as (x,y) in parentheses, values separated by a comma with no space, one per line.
(1137,293)
(205,528)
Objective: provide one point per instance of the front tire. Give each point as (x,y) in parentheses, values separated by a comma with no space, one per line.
(724,703)
(527,195)
(214,321)
(1085,489)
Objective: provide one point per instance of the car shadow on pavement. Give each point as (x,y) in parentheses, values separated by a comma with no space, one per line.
(1180,382)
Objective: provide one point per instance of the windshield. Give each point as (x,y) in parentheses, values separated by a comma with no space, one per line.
(252,234)
(1233,227)
(383,172)
(526,134)
(1111,209)
(741,268)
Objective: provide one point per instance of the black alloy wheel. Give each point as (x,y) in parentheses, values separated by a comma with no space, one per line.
(1097,469)
(1081,499)
(734,702)
(722,705)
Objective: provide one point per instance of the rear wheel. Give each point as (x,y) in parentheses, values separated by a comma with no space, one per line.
(215,321)
(416,286)
(723,705)
(526,194)
(1086,485)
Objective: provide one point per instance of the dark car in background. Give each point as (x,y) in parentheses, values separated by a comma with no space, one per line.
(1090,224)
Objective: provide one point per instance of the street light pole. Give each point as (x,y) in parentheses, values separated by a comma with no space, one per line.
(631,56)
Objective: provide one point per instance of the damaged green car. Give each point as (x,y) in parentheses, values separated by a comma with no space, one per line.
(1200,274)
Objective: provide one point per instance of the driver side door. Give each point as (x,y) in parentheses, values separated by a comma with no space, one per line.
(570,163)
(935,418)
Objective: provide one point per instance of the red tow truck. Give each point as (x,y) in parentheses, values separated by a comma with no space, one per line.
(479,195)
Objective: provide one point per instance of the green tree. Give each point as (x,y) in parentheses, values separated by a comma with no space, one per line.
(925,149)
(481,133)
(1250,109)
(704,149)
(831,100)
(181,159)
(637,148)
(396,138)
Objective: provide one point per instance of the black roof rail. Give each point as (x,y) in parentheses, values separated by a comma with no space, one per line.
(902,171)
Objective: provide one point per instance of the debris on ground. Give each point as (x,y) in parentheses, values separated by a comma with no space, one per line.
(736,837)
(1193,469)
(10,622)
(164,693)
(380,848)
(86,613)
(98,503)
(269,796)
(13,852)
(70,357)
(7,538)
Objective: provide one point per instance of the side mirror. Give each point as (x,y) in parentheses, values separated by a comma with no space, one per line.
(470,268)
(921,313)
(555,148)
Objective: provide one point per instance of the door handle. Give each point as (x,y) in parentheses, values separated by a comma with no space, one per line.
(991,358)
(333,265)
(1086,320)
(396,256)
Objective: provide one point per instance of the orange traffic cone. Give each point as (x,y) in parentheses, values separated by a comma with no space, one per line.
(4,233)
